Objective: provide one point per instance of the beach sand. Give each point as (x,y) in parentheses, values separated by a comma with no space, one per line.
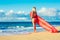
(34,36)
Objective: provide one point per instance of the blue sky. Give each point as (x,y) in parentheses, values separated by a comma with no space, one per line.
(28,4)
(25,6)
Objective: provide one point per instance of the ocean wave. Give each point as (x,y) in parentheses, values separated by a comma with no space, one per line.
(18,30)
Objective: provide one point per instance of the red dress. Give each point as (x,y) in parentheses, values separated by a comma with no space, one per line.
(34,15)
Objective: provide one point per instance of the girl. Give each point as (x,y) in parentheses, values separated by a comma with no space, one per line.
(41,22)
(34,19)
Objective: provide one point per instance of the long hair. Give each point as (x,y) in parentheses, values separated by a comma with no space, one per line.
(34,9)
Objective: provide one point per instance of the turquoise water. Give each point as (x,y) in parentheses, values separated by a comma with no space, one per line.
(11,28)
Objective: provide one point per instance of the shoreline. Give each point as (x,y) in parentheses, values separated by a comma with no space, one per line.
(34,36)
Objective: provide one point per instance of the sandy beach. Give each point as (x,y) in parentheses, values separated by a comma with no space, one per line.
(34,36)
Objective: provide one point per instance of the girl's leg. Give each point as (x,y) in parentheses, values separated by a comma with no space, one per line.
(34,24)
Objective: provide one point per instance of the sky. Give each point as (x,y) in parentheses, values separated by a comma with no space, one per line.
(18,10)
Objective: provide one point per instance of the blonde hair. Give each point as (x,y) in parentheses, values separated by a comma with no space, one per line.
(34,9)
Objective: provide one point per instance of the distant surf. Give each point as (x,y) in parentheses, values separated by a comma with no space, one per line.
(13,28)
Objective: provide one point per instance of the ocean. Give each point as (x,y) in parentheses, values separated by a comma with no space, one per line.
(12,28)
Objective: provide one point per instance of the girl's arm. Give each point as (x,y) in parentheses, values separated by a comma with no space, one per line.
(31,15)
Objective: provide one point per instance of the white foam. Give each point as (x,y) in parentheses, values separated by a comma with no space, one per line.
(17,30)
(17,26)
(33,27)
(0,30)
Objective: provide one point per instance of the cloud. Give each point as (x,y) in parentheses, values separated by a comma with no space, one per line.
(2,13)
(10,12)
(22,18)
(1,10)
(47,11)
(20,12)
